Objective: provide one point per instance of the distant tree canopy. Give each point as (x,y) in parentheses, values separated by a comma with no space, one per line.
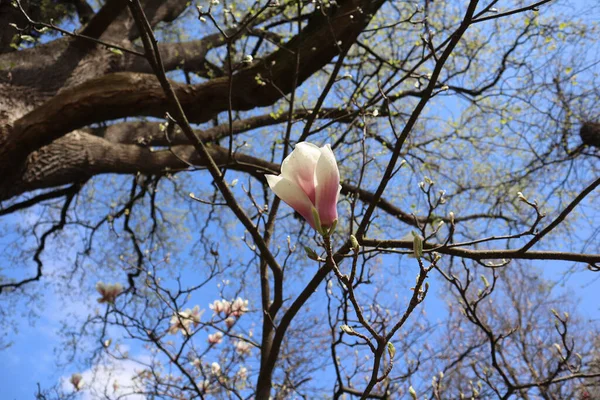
(134,141)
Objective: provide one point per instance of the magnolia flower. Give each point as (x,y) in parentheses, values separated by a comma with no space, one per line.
(195,315)
(182,320)
(243,348)
(77,381)
(215,368)
(108,292)
(215,338)
(230,322)
(239,307)
(309,181)
(220,306)
(242,373)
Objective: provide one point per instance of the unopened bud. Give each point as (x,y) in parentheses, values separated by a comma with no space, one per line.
(347,329)
(558,348)
(354,242)
(391,350)
(413,393)
(417,245)
(310,253)
(485,281)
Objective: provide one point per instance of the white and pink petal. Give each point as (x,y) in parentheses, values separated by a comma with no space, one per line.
(328,188)
(293,195)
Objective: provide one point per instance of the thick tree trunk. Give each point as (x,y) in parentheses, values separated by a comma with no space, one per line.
(67,84)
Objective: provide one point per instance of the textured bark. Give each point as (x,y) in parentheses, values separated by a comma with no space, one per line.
(78,156)
(68,84)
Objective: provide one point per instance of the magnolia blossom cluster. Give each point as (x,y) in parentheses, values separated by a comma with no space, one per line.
(230,309)
(235,308)
(183,320)
(309,183)
(109,293)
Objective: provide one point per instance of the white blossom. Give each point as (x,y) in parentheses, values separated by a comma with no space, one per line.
(239,307)
(215,338)
(243,348)
(183,320)
(215,368)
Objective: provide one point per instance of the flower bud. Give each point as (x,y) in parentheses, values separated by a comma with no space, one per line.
(347,329)
(354,242)
(310,253)
(391,350)
(417,245)
(413,393)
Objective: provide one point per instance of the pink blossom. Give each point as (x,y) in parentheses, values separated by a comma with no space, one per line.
(220,306)
(230,322)
(239,307)
(215,338)
(309,180)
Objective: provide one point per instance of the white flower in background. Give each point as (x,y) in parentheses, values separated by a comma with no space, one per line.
(215,368)
(109,293)
(197,363)
(239,307)
(215,338)
(195,315)
(77,381)
(230,322)
(183,320)
(220,306)
(242,374)
(241,378)
(243,348)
